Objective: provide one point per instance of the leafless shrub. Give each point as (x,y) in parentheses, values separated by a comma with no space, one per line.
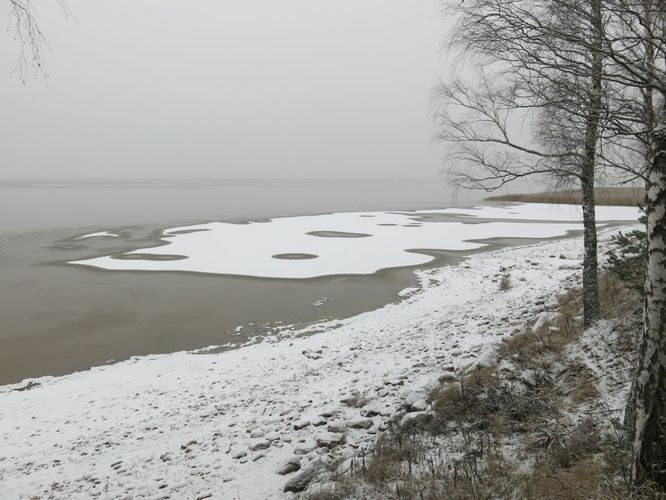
(389,456)
(583,441)
(482,404)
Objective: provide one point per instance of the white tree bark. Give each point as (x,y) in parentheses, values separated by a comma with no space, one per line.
(650,397)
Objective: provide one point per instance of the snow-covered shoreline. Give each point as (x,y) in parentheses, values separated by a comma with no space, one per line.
(190,425)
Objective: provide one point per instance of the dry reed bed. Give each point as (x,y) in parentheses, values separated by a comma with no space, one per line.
(616,196)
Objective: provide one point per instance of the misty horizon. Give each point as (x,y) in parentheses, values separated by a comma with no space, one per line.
(238,90)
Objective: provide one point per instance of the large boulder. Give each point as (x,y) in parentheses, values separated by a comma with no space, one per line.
(416,400)
(420,405)
(304,448)
(330,439)
(337,426)
(415,417)
(260,445)
(288,466)
(447,377)
(299,482)
(360,423)
(301,424)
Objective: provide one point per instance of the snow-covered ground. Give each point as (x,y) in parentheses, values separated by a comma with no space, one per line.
(346,243)
(219,425)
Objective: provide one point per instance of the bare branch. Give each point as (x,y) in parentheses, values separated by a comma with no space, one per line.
(23,22)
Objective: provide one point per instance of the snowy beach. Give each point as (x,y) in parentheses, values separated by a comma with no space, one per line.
(333,250)
(223,425)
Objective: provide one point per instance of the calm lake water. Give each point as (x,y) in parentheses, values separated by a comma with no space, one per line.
(58,318)
(30,205)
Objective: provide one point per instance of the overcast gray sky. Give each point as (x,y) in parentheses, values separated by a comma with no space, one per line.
(226,88)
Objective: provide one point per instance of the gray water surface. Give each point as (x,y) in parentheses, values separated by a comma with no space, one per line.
(57,318)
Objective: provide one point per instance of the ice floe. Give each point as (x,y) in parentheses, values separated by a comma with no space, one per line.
(100,234)
(320,245)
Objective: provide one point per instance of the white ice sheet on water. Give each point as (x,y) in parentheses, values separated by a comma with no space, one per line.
(249,249)
(100,234)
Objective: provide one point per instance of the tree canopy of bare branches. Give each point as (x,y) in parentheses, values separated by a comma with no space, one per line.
(538,106)
(571,89)
(24,24)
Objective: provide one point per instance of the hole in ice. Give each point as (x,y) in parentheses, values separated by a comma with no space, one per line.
(337,234)
(295,256)
(148,256)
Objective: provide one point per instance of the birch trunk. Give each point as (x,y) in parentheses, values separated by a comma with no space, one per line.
(590,281)
(591,309)
(650,398)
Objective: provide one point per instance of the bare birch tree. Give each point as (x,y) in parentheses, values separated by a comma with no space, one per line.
(650,399)
(632,48)
(547,56)
(627,39)
(637,49)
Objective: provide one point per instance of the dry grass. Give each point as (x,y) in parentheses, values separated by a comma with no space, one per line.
(574,466)
(581,381)
(527,348)
(505,283)
(389,456)
(570,307)
(343,487)
(580,482)
(626,196)
(531,349)
(391,473)
(482,404)
(581,464)
(616,299)
(460,453)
